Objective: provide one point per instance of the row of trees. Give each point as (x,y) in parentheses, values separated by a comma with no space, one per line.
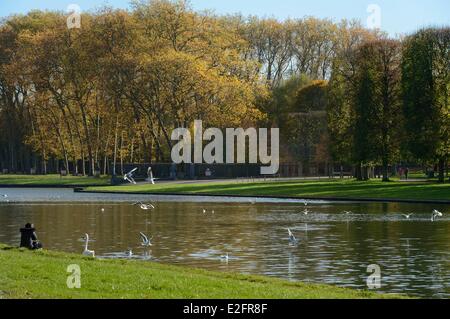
(113,90)
(389,100)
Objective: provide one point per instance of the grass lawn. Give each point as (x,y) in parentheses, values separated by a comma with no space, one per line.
(301,188)
(42,274)
(52,179)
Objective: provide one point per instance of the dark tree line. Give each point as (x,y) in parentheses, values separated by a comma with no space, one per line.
(112,91)
(390,101)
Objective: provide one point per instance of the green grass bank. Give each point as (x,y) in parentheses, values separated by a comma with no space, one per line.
(51,180)
(328,188)
(43,274)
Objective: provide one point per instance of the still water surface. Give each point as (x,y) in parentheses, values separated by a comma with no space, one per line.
(333,248)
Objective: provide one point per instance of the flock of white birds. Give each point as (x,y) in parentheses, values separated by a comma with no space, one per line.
(294,241)
(146,241)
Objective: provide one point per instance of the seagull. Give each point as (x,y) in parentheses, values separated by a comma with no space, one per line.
(129,253)
(150,178)
(86,251)
(292,239)
(129,176)
(435,215)
(146,242)
(144,206)
(306,211)
(407,216)
(224,257)
(4,195)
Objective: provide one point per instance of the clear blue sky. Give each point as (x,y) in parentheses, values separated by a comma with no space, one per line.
(397,16)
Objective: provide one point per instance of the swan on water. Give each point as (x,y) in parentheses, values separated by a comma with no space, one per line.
(435,215)
(86,251)
(144,206)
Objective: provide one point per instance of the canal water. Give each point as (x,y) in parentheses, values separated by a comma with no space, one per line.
(334,247)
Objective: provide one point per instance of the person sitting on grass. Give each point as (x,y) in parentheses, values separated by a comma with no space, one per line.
(28,237)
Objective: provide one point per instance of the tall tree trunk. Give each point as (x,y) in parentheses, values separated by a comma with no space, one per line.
(83,164)
(121,153)
(105,165)
(385,170)
(441,169)
(358,172)
(116,133)
(88,141)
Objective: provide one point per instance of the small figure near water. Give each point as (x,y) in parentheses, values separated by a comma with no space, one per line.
(28,237)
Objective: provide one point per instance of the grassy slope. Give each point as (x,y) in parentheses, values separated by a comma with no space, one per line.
(26,274)
(52,180)
(324,188)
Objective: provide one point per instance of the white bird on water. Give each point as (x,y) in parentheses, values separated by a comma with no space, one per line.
(144,206)
(306,211)
(407,216)
(224,257)
(4,195)
(346,212)
(292,239)
(146,242)
(435,215)
(129,253)
(86,251)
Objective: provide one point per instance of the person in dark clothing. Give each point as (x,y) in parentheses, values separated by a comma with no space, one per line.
(28,237)
(406,173)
